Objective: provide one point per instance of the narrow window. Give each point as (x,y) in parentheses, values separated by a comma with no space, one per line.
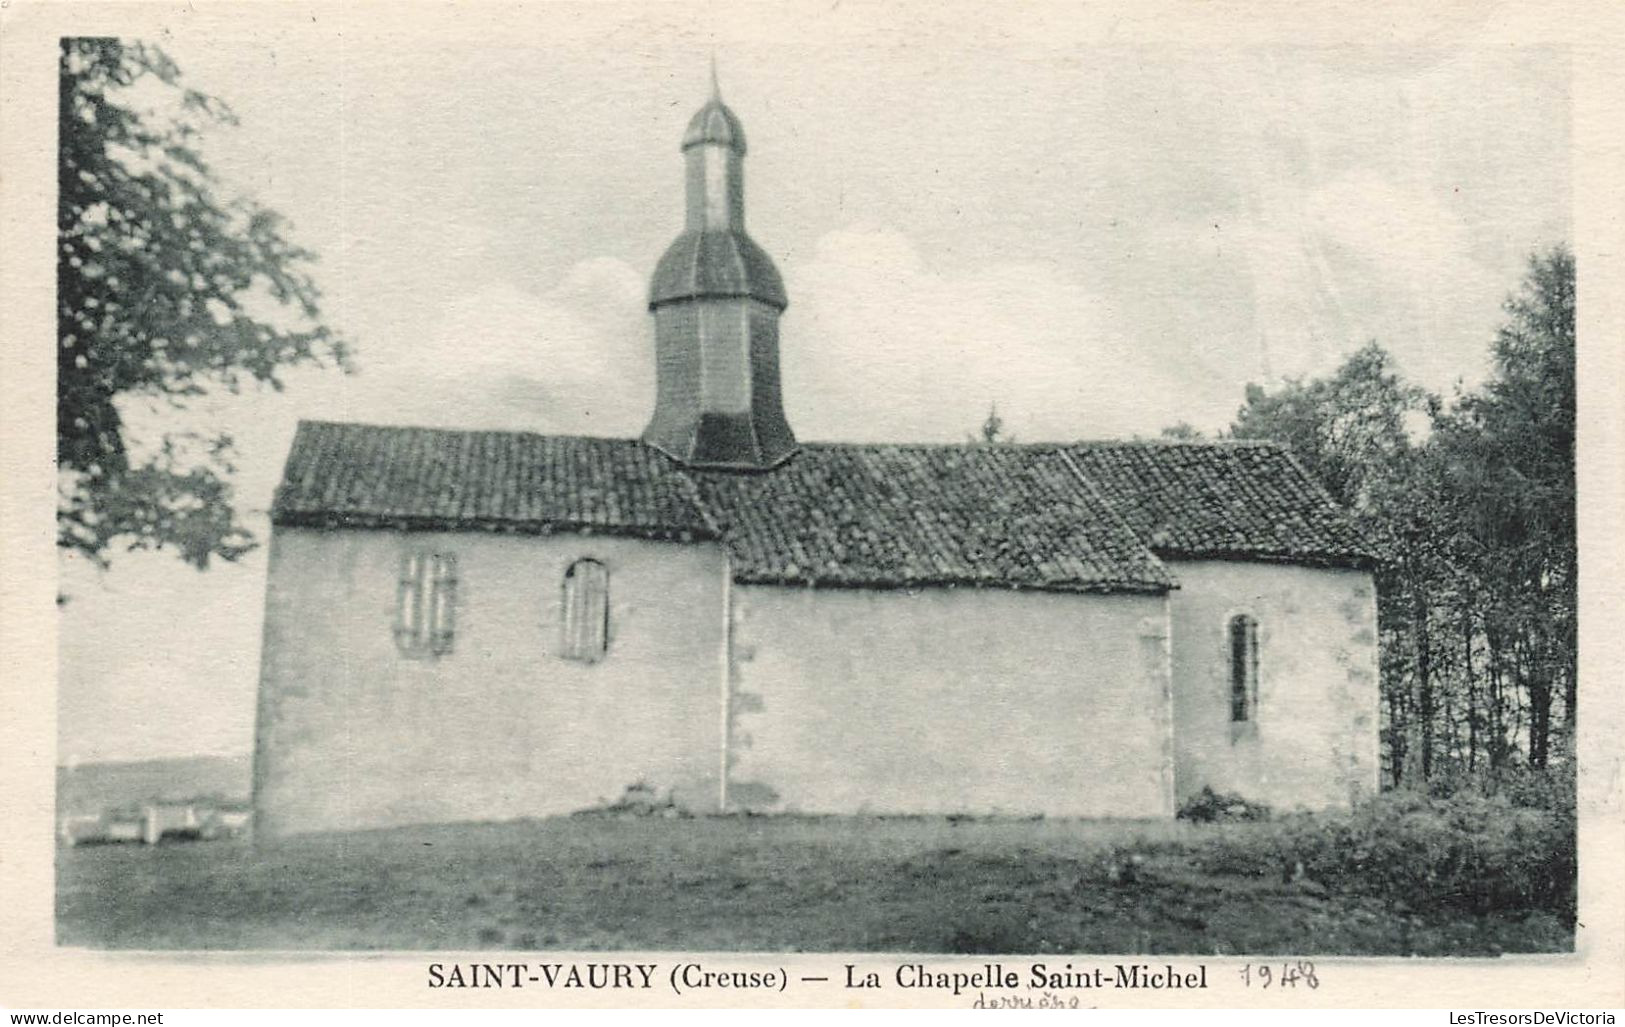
(443,603)
(1243,668)
(425,604)
(584,626)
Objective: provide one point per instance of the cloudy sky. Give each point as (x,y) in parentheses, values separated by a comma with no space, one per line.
(1103,239)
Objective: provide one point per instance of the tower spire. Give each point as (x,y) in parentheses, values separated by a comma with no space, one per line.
(716,299)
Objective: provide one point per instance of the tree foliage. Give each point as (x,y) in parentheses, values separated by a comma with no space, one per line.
(1349,430)
(1472,503)
(1183,431)
(992,430)
(166,290)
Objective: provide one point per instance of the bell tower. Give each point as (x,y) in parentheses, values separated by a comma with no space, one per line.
(716,300)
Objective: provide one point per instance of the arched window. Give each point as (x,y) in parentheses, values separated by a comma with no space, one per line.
(1243,669)
(584,627)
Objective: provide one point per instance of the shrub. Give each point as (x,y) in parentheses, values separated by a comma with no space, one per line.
(1469,852)
(1207,806)
(638,800)
(1548,788)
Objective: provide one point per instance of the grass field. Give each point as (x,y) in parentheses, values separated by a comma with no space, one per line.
(923,885)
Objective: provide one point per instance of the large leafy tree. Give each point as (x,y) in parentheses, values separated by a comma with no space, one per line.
(1349,429)
(167,289)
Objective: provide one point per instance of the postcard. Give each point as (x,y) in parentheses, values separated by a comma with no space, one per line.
(1120,512)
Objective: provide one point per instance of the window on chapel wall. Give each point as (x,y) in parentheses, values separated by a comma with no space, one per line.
(1243,669)
(584,626)
(426,604)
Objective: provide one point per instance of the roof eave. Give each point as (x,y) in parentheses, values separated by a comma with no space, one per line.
(1351,561)
(355,521)
(919,584)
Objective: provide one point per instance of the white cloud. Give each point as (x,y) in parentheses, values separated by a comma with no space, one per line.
(879,345)
(574,359)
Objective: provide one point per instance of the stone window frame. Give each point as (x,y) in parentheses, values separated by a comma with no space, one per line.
(426,604)
(1245,698)
(584,611)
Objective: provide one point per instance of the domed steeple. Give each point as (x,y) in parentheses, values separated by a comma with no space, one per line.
(716,299)
(715,122)
(714,256)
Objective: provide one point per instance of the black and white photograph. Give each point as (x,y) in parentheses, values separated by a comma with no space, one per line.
(834,481)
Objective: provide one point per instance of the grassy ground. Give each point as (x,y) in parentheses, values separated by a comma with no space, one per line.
(755,884)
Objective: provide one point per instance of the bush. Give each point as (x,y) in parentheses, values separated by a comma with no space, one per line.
(1469,852)
(639,800)
(1547,788)
(1207,806)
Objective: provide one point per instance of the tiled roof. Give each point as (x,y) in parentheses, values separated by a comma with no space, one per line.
(889,516)
(355,475)
(1082,517)
(1246,500)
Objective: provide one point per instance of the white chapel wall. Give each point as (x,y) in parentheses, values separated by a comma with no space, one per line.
(354,734)
(1311,743)
(950,701)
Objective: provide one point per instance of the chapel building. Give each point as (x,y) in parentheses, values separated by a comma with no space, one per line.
(483,625)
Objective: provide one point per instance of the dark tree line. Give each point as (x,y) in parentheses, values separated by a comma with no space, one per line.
(1472,502)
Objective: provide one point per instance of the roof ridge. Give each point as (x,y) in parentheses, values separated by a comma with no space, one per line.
(968,445)
(322,422)
(1178,443)
(691,492)
(1049,445)
(1112,511)
(1316,486)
